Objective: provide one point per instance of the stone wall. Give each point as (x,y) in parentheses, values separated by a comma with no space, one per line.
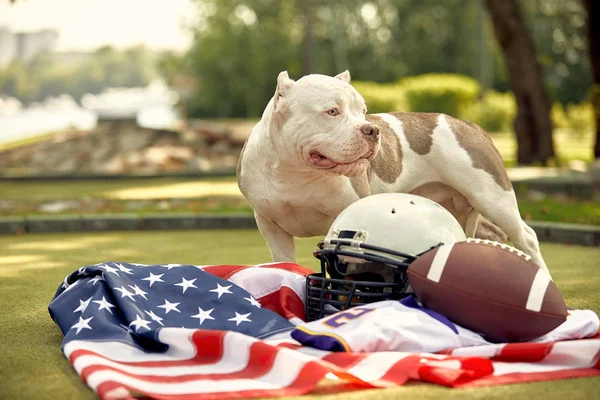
(122,147)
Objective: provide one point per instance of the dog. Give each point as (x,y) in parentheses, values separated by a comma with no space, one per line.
(316,150)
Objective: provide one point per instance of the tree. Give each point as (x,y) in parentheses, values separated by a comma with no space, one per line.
(533,127)
(593,11)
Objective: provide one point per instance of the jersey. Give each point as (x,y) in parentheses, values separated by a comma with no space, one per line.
(407,326)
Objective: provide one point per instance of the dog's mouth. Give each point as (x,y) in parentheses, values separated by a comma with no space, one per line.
(321,161)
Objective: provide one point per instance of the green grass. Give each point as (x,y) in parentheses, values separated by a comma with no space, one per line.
(560,210)
(209,195)
(118,188)
(32,267)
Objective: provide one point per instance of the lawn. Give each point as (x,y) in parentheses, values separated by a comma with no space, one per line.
(32,267)
(205,195)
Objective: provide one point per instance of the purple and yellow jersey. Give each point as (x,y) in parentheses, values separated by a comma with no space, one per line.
(407,326)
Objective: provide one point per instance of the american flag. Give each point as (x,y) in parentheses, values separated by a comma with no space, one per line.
(177,331)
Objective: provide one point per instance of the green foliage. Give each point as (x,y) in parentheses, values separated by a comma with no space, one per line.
(241,45)
(236,60)
(495,111)
(559,117)
(577,119)
(581,118)
(445,93)
(381,97)
(46,76)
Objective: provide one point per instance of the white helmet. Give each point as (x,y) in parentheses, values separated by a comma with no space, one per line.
(369,246)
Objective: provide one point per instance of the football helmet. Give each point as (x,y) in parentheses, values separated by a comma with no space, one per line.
(368,248)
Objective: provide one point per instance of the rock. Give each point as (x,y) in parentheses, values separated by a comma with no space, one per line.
(117,148)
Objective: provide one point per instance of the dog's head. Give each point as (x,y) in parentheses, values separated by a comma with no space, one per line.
(318,123)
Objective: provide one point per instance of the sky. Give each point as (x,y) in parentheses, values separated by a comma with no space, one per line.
(88,24)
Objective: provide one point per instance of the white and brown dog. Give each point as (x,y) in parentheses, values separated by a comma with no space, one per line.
(316,150)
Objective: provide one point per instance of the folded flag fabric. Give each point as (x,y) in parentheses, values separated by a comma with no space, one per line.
(176,331)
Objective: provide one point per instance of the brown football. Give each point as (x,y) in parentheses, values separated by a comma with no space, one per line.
(490,288)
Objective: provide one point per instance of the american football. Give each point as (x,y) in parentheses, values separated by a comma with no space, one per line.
(488,287)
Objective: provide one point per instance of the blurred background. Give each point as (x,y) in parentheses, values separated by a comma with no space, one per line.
(143,106)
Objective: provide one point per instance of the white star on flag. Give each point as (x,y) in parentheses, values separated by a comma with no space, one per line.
(125,292)
(104,305)
(108,268)
(185,284)
(154,317)
(169,266)
(96,279)
(220,290)
(123,269)
(153,278)
(139,322)
(82,324)
(139,292)
(82,305)
(253,301)
(239,318)
(203,315)
(168,306)
(82,271)
(71,286)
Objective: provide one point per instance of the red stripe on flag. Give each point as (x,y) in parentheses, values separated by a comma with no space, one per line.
(224,271)
(345,360)
(260,362)
(307,379)
(208,344)
(289,345)
(284,302)
(291,267)
(420,368)
(597,357)
(403,370)
(470,369)
(524,352)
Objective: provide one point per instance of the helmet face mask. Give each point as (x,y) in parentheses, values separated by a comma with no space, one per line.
(368,249)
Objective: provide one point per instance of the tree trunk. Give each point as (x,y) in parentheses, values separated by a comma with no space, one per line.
(533,127)
(593,11)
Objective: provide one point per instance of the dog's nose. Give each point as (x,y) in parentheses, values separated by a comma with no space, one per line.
(370,130)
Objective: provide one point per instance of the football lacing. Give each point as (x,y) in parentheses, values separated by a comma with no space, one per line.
(504,246)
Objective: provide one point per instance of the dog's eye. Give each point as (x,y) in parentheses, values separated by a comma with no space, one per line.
(333,112)
(365,110)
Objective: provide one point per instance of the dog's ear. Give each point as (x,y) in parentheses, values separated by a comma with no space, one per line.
(344,76)
(284,83)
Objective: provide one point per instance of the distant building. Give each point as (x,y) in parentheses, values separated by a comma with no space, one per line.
(23,46)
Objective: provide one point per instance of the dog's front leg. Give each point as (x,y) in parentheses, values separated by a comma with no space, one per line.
(281,243)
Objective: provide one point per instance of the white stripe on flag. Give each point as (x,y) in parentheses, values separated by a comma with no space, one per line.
(376,365)
(260,282)
(284,371)
(538,291)
(235,357)
(178,340)
(439,262)
(486,351)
